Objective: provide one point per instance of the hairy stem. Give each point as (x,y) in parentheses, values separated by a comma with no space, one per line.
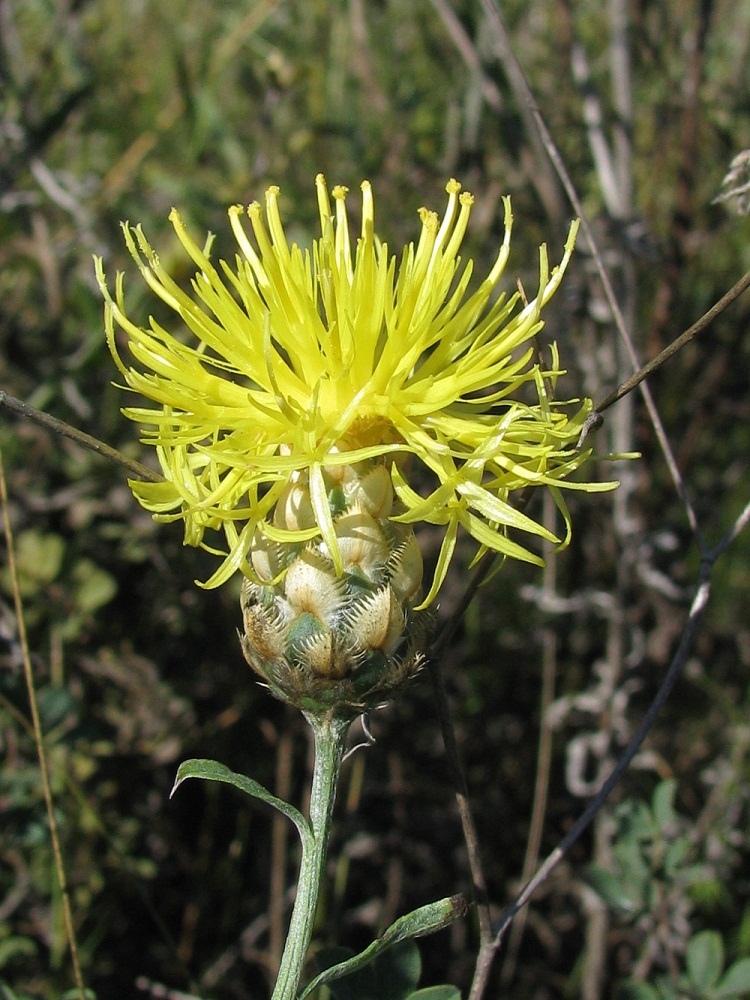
(330,738)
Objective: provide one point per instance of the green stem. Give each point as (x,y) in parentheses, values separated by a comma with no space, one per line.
(330,738)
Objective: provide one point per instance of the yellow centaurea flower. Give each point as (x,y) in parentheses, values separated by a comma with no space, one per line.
(304,362)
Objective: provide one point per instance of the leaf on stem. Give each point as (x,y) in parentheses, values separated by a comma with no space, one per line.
(212,770)
(420,922)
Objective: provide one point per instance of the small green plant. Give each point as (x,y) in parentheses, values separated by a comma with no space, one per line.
(652,885)
(704,976)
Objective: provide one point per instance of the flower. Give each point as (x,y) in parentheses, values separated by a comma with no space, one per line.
(300,362)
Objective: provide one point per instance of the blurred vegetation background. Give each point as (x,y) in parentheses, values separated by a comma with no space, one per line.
(111,111)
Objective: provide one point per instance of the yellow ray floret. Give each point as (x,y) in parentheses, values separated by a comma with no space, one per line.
(291,362)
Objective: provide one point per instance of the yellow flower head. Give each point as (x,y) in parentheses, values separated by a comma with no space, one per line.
(292,363)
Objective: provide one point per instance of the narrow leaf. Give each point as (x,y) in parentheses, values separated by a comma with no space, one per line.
(392,975)
(212,770)
(420,922)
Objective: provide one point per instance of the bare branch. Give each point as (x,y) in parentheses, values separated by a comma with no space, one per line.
(468,52)
(51,423)
(698,327)
(39,740)
(700,600)
(498,26)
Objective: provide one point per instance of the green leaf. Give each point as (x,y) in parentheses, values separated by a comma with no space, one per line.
(55,706)
(638,820)
(14,946)
(742,935)
(676,853)
(436,993)
(637,991)
(690,875)
(212,770)
(705,959)
(709,892)
(361,983)
(662,803)
(736,981)
(39,559)
(390,976)
(613,890)
(397,972)
(424,920)
(629,854)
(94,586)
